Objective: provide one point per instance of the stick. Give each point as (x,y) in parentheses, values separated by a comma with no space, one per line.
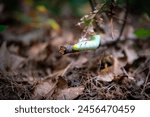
(125,20)
(145,83)
(93,5)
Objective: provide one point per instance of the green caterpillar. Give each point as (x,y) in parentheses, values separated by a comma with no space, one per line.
(91,44)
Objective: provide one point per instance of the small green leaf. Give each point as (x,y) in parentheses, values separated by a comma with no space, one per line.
(142,33)
(3,28)
(87,22)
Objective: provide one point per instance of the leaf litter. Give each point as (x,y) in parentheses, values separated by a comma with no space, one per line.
(32,68)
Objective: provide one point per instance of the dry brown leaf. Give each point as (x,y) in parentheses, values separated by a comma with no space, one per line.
(82,60)
(79,63)
(129,32)
(8,60)
(70,93)
(44,88)
(144,52)
(26,38)
(49,84)
(57,41)
(109,70)
(107,77)
(131,54)
(58,62)
(37,51)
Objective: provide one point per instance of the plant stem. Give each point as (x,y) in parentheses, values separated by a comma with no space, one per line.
(125,20)
(93,4)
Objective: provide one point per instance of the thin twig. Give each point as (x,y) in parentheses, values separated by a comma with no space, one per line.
(112,28)
(125,20)
(93,5)
(145,83)
(142,67)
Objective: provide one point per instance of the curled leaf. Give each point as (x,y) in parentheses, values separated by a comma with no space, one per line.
(109,69)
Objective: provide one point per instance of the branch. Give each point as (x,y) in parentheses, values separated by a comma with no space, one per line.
(125,20)
(93,4)
(145,83)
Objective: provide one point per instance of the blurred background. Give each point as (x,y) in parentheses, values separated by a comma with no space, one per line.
(31,67)
(24,10)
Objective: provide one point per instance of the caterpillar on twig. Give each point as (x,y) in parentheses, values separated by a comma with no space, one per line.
(92,43)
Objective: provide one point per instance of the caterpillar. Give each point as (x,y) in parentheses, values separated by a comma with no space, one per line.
(92,43)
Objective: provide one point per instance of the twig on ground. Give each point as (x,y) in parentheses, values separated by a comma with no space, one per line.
(146,80)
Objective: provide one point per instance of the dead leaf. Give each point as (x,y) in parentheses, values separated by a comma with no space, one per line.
(107,77)
(129,32)
(57,41)
(109,69)
(75,64)
(26,38)
(59,62)
(130,53)
(44,88)
(8,60)
(70,93)
(49,85)
(37,51)
(144,52)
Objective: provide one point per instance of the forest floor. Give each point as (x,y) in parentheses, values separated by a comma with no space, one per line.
(31,66)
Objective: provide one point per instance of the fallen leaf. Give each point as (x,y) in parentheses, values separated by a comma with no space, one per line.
(48,86)
(130,53)
(144,52)
(109,69)
(70,93)
(107,77)
(8,60)
(44,88)
(37,51)
(25,38)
